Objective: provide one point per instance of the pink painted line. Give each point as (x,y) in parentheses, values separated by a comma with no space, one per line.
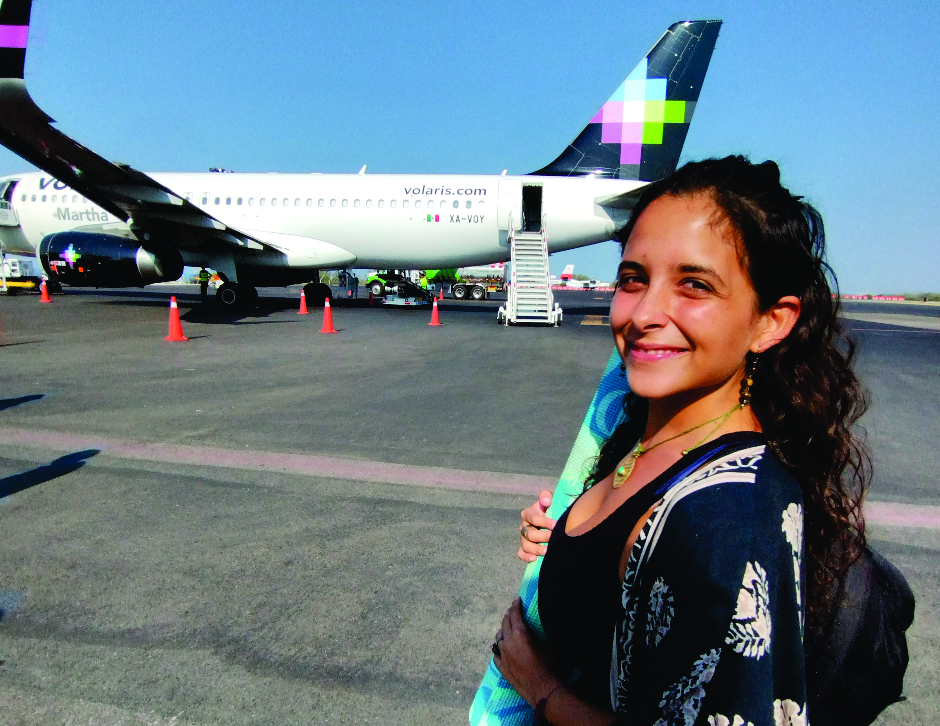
(307,464)
(890,514)
(13,36)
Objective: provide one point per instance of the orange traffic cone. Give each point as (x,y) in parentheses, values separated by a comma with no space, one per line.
(435,316)
(303,304)
(176,329)
(327,318)
(44,292)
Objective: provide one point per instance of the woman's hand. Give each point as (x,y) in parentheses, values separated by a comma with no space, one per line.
(536,528)
(523,659)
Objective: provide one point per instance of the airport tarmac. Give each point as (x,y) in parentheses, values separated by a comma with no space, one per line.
(267,525)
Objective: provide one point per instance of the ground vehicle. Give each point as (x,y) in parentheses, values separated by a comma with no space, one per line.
(22,273)
(397,286)
(475,283)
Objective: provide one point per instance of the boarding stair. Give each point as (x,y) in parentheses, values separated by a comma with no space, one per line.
(530,298)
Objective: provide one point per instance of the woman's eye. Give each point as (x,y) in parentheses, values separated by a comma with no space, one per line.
(696,285)
(630,281)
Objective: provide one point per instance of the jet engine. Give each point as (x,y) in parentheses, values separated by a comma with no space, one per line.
(102,260)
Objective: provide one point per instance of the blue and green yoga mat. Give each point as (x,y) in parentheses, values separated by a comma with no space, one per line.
(496,702)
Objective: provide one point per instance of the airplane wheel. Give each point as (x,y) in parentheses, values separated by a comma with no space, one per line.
(231,295)
(316,293)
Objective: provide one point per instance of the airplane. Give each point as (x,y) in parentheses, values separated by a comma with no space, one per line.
(93,222)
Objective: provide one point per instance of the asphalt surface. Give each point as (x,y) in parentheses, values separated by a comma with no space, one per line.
(268,525)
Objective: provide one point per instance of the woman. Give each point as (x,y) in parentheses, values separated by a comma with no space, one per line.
(674,590)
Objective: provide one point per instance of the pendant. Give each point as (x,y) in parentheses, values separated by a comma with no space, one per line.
(625,469)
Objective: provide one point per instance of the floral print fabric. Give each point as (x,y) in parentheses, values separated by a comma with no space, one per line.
(711,632)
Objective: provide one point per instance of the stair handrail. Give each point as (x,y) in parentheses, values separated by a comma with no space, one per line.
(511,306)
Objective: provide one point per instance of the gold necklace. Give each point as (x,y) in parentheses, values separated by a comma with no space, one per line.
(625,469)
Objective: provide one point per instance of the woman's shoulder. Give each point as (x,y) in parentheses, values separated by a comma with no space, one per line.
(747,484)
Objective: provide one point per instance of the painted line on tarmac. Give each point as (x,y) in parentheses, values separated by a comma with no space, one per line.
(893,514)
(887,514)
(330,467)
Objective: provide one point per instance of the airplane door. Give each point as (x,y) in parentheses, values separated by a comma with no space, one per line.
(510,203)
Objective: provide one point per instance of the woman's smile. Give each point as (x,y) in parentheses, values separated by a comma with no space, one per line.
(649,352)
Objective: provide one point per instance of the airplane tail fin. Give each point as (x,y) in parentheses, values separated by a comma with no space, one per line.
(639,133)
(14,29)
(568,272)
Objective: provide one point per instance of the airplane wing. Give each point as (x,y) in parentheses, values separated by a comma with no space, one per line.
(152,211)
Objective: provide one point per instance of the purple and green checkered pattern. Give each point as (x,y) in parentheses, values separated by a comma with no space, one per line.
(496,702)
(636,113)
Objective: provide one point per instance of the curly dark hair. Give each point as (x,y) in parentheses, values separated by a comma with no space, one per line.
(806,395)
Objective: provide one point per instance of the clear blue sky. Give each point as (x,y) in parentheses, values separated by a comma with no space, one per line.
(845,96)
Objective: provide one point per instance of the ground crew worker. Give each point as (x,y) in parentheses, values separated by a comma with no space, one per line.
(203,283)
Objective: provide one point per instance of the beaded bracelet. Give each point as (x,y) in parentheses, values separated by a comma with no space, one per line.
(543,702)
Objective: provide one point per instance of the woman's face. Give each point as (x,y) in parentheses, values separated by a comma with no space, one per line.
(684,314)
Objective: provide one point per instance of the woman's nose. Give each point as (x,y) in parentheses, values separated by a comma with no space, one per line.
(651,310)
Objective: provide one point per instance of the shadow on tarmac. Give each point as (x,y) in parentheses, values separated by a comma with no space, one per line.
(46,472)
(10,600)
(6,403)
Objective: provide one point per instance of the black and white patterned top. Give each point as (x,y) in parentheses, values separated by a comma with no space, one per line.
(711,630)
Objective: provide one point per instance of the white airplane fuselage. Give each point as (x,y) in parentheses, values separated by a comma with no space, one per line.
(331,221)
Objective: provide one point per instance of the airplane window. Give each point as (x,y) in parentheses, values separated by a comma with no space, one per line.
(23,198)
(480,205)
(430,204)
(34,198)
(251,201)
(381,203)
(286,202)
(332,202)
(262,201)
(273,202)
(368,202)
(309,202)
(239,201)
(345,202)
(417,203)
(297,202)
(442,204)
(43,197)
(217,200)
(84,201)
(53,197)
(356,203)
(228,200)
(404,203)
(469,204)
(320,203)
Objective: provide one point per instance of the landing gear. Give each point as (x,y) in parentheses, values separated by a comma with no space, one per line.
(233,295)
(316,292)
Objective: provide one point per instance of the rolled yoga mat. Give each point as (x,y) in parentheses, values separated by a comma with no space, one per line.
(496,702)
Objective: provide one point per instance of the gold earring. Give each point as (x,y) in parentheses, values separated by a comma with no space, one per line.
(749,369)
